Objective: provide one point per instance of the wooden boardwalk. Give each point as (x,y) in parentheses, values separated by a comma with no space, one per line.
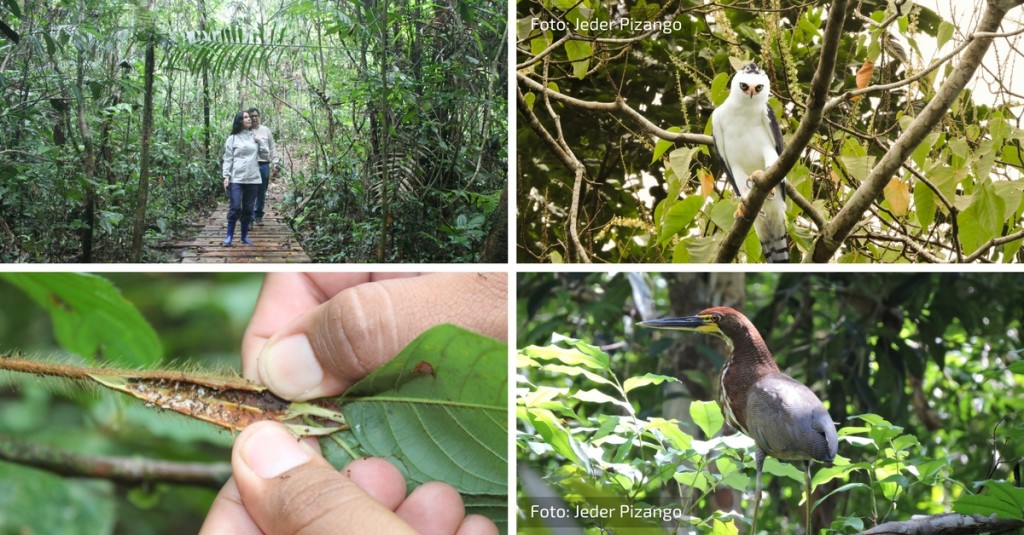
(273,241)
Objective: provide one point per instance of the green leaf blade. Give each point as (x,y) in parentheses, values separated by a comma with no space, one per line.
(91,318)
(439,411)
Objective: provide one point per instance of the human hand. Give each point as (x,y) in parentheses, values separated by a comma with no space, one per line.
(330,330)
(315,334)
(227,182)
(283,486)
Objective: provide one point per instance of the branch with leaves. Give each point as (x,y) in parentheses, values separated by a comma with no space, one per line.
(902,166)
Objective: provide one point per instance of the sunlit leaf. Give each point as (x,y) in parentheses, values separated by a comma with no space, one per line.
(91,318)
(646,379)
(897,193)
(708,416)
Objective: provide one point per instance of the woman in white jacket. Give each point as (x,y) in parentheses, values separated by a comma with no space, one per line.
(242,174)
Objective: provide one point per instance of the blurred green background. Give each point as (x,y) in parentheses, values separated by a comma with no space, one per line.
(199,319)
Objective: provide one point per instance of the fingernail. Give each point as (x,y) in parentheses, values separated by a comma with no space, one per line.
(289,368)
(271,451)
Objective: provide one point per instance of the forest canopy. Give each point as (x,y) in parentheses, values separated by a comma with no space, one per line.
(902,143)
(389,117)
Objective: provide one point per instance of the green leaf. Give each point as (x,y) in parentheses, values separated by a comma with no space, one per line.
(1007,493)
(986,505)
(856,160)
(439,412)
(720,88)
(553,433)
(1010,191)
(723,213)
(663,145)
(719,527)
(670,428)
(776,468)
(983,219)
(574,371)
(596,396)
(91,318)
(34,501)
(920,154)
(570,357)
(579,53)
(51,45)
(708,416)
(679,216)
(680,159)
(924,203)
(945,179)
(944,34)
(644,380)
(696,480)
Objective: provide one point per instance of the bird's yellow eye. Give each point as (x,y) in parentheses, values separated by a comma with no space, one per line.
(759,87)
(744,87)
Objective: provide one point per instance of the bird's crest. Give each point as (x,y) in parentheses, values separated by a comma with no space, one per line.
(752,68)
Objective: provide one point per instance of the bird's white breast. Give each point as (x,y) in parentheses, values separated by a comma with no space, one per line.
(746,134)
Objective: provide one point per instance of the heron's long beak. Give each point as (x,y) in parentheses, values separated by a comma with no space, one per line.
(701,324)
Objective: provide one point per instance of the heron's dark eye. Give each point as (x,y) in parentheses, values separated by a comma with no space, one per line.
(744,87)
(759,87)
(717,317)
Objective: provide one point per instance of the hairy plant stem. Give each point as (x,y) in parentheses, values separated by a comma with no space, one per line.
(229,402)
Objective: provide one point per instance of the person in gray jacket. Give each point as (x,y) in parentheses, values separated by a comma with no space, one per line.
(266,172)
(242,151)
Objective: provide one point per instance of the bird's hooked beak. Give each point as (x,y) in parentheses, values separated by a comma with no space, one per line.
(704,323)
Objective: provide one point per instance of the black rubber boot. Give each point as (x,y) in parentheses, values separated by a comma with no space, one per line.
(231,234)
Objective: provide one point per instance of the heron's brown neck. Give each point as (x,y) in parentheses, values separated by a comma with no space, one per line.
(750,353)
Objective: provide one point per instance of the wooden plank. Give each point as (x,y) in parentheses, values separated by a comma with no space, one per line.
(273,241)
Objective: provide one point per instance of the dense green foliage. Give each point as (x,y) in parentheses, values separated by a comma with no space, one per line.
(198,318)
(437,410)
(919,370)
(632,195)
(390,120)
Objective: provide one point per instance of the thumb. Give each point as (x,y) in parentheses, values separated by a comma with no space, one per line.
(324,351)
(287,488)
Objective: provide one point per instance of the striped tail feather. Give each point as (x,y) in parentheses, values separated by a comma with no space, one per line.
(770,227)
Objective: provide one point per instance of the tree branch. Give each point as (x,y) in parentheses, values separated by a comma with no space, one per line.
(132,471)
(947,524)
(619,107)
(563,153)
(839,227)
(775,174)
(809,210)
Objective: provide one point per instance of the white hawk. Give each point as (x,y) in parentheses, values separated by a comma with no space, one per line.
(748,139)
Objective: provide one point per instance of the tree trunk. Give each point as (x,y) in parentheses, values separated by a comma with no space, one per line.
(495,247)
(385,126)
(147,134)
(89,164)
